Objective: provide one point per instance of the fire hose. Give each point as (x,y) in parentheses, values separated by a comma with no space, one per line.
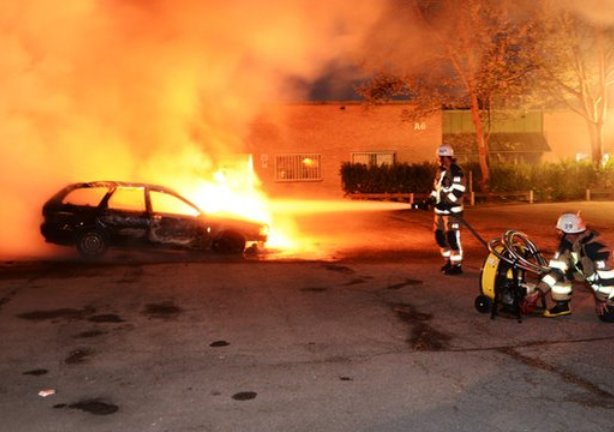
(515,248)
(473,231)
(426,205)
(503,285)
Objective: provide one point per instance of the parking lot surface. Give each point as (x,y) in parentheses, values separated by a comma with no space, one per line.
(366,335)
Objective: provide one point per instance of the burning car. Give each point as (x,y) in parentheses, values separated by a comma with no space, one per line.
(96,215)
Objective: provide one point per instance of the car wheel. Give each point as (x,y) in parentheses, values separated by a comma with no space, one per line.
(91,244)
(229,243)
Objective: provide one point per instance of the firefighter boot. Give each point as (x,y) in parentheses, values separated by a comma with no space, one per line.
(454,269)
(560,309)
(446,266)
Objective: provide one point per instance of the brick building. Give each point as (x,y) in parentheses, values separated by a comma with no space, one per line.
(298,149)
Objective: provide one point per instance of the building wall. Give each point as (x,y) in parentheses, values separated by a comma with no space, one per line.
(334,131)
(567,135)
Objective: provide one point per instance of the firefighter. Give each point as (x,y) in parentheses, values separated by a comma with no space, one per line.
(447,200)
(580,256)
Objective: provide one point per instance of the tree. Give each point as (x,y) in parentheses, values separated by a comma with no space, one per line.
(476,58)
(577,69)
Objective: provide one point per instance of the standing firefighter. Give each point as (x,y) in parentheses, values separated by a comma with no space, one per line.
(447,199)
(580,256)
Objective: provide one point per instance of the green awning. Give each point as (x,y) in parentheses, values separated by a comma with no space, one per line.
(500,142)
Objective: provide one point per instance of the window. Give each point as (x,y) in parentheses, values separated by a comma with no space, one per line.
(86,196)
(373,158)
(128,199)
(298,167)
(162,202)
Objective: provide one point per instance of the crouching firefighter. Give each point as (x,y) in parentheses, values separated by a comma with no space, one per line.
(447,200)
(580,256)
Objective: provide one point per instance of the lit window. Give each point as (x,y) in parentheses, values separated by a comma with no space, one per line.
(378,158)
(298,167)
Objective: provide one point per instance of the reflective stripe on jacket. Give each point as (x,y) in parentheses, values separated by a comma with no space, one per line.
(587,259)
(448,190)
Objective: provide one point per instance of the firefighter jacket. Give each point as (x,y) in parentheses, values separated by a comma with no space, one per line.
(448,190)
(586,259)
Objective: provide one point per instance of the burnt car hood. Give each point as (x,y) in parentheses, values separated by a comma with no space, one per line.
(254,231)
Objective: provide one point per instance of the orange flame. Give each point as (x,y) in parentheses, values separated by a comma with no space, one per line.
(234,189)
(147,91)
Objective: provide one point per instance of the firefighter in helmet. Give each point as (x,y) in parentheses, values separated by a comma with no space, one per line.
(580,256)
(447,200)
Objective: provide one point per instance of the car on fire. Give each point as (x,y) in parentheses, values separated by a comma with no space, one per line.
(94,216)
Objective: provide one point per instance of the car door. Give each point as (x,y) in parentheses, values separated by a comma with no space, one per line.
(175,221)
(125,214)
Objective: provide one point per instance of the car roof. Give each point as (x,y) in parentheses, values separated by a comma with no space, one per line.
(113,183)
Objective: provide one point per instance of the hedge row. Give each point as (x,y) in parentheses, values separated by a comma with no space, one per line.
(397,178)
(549,181)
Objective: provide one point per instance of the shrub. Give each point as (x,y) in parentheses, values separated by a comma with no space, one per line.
(567,180)
(396,178)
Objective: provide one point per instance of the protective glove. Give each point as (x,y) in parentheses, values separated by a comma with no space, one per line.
(601,307)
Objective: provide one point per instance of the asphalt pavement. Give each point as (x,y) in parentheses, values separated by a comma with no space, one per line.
(367,335)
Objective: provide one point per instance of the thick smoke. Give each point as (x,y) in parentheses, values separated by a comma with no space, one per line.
(146,90)
(600,12)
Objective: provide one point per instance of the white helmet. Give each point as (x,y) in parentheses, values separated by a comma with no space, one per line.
(445,150)
(570,223)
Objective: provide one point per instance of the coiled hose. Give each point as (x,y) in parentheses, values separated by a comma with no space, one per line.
(515,248)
